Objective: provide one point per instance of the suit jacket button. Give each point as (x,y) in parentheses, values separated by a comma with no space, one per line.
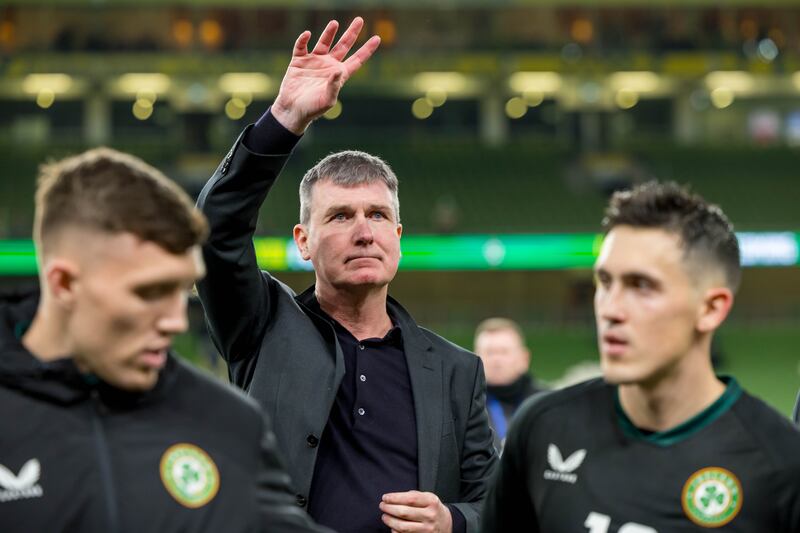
(301,500)
(312,441)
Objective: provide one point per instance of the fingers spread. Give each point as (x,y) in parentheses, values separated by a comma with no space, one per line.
(300,44)
(326,39)
(347,39)
(361,55)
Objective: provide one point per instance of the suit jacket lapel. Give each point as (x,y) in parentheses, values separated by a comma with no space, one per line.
(425,374)
(308,302)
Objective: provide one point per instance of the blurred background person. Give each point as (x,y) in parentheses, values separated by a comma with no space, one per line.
(500,343)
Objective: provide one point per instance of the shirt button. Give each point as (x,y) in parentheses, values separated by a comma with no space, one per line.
(360,346)
(362,377)
(312,441)
(301,500)
(361,411)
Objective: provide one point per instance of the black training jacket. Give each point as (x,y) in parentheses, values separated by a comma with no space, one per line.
(77,455)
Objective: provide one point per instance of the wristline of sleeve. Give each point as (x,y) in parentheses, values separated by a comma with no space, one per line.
(268,136)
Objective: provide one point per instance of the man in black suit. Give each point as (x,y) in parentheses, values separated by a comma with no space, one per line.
(383,423)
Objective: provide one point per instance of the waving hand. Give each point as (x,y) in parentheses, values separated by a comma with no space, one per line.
(313,80)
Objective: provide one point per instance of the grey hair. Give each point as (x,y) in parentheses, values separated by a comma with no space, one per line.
(347,168)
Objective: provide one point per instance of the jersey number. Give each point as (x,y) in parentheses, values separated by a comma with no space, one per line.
(599,523)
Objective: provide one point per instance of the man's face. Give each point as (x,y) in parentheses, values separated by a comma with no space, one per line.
(352,237)
(646,305)
(504,356)
(128,302)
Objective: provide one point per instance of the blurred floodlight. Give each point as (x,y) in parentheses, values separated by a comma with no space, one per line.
(145,83)
(245,82)
(796,80)
(55,83)
(421,108)
(543,82)
(334,112)
(183,32)
(736,81)
(436,96)
(235,108)
(635,81)
(211,33)
(626,99)
(516,108)
(590,92)
(245,97)
(147,95)
(45,98)
(142,109)
(582,30)
(722,97)
(533,98)
(449,82)
(387,30)
(767,50)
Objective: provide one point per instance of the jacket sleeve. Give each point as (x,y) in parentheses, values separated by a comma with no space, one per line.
(234,292)
(276,501)
(508,504)
(478,459)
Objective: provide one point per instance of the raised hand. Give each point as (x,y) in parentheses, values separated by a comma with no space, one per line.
(312,82)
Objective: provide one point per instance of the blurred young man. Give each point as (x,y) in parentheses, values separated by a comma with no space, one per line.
(101,428)
(382,422)
(663,444)
(500,344)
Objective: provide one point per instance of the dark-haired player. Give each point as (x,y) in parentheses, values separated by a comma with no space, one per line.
(661,444)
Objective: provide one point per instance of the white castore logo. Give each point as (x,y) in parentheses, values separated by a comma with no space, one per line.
(23,485)
(563,469)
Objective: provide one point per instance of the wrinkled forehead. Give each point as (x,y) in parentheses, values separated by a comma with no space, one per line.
(326,192)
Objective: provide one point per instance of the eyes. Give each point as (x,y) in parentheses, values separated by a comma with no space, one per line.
(638,282)
(159,291)
(342,216)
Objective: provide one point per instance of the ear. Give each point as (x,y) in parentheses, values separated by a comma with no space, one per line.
(300,234)
(399,230)
(714,309)
(61,279)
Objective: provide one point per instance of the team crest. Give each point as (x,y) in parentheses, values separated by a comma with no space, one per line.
(189,475)
(712,497)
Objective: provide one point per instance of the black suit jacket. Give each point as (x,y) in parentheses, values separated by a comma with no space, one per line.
(288,358)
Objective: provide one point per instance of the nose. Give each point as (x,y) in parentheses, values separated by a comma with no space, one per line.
(608,304)
(174,319)
(362,232)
